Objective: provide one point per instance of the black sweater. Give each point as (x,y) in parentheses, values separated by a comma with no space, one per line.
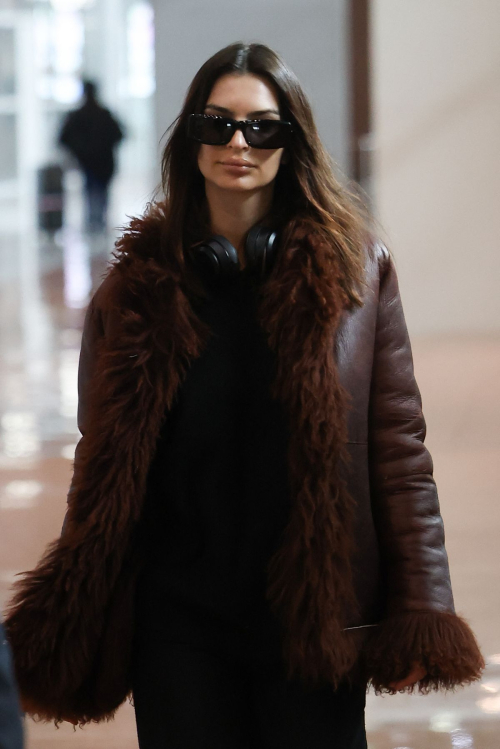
(218,496)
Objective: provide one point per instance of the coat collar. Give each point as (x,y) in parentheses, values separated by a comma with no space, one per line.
(301,303)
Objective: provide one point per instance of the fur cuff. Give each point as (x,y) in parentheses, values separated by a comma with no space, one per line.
(442,642)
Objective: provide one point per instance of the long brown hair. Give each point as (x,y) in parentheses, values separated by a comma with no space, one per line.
(306,189)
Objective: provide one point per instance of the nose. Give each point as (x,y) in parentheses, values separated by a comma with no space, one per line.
(238,140)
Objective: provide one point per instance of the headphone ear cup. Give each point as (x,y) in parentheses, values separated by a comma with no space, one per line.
(260,248)
(215,258)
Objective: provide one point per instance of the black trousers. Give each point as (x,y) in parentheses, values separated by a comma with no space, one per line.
(191,697)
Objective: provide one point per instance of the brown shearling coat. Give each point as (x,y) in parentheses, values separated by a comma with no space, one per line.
(361,579)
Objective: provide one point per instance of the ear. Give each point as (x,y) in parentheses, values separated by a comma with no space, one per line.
(285,159)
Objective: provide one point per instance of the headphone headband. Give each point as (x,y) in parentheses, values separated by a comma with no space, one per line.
(217,258)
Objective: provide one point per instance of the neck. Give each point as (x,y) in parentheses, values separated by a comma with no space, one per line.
(233,214)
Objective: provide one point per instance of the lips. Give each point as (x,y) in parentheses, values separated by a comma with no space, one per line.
(238,162)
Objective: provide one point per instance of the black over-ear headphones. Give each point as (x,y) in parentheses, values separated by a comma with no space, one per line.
(217,258)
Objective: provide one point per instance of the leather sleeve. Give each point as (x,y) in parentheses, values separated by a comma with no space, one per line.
(404,496)
(93,331)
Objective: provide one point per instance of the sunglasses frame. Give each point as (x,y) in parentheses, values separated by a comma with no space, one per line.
(285,126)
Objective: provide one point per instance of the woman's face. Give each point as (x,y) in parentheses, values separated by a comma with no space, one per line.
(236,166)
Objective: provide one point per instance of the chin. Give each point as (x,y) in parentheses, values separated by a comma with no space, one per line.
(238,184)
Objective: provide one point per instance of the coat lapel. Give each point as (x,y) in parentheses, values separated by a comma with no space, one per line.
(310,581)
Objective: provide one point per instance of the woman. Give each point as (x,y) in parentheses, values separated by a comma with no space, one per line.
(253,532)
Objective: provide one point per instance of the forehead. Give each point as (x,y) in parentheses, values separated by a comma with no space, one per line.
(243,93)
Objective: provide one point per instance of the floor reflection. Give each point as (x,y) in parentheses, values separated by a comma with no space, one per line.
(45,284)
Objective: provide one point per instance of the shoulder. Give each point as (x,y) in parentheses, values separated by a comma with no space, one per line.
(140,266)
(108,293)
(105,113)
(378,254)
(382,254)
(378,263)
(104,304)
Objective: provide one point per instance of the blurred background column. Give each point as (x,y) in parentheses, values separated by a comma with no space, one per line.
(20,138)
(360,99)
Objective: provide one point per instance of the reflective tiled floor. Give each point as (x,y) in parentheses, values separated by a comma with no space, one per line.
(44,288)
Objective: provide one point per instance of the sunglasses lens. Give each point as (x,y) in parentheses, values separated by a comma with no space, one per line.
(214,131)
(218,131)
(267,134)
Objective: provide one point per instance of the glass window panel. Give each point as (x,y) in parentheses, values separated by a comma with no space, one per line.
(141,51)
(8,149)
(7,62)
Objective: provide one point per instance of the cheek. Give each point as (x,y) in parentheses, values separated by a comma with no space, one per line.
(201,159)
(204,159)
(271,163)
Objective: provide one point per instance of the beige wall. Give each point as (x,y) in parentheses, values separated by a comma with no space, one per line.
(436,84)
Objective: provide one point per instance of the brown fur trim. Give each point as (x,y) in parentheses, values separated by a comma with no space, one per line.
(58,618)
(442,642)
(310,581)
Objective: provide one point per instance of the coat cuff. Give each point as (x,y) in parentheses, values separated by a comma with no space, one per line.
(442,642)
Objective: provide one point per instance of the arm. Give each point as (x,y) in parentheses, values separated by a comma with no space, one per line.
(116,130)
(68,133)
(421,625)
(93,331)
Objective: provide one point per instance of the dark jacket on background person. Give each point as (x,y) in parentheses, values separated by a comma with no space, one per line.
(91,133)
(360,581)
(11,729)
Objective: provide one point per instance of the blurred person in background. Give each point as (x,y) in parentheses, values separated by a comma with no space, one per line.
(91,134)
(11,729)
(253,532)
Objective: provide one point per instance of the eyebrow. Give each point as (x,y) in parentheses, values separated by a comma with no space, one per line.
(256,113)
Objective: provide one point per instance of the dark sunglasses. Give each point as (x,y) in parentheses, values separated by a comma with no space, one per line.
(218,131)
